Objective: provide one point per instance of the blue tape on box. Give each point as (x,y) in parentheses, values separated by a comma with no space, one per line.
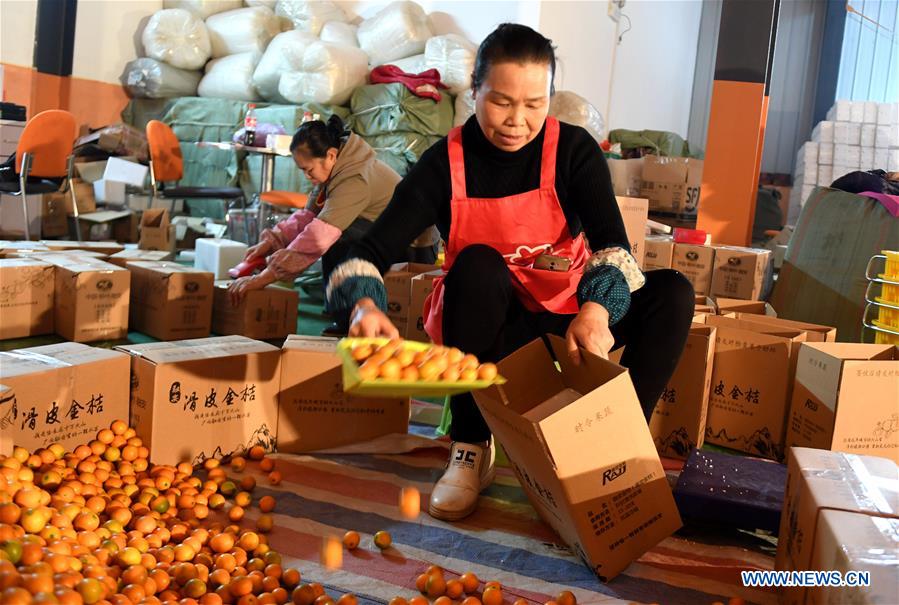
(735,491)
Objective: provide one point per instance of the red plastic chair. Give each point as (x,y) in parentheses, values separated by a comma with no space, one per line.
(44,152)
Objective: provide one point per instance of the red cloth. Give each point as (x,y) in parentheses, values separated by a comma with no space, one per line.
(427,84)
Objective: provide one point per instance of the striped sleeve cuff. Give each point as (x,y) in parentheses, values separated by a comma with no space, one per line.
(354,280)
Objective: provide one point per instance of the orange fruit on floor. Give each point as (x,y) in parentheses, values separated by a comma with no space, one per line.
(566,597)
(351,540)
(382,540)
(492,596)
(267,504)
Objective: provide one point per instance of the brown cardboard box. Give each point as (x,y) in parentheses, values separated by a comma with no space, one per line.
(750,307)
(12,218)
(421,286)
(20,247)
(53,217)
(84,194)
(106,248)
(704,304)
(315,413)
(126,256)
(635,212)
(833,406)
(26,297)
(398,283)
(856,542)
(115,225)
(64,393)
(156,230)
(627,176)
(819,480)
(610,506)
(815,332)
(659,252)
(751,383)
(267,314)
(740,272)
(671,184)
(696,263)
(55,253)
(204,398)
(91,298)
(678,421)
(170,301)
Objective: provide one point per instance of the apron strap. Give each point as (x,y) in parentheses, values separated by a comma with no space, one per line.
(457,163)
(548,159)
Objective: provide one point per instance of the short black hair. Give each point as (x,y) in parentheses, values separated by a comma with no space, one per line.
(513,43)
(318,137)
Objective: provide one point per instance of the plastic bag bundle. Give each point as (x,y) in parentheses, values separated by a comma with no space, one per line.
(338,32)
(453,56)
(310,15)
(397,31)
(231,77)
(464,107)
(269,4)
(575,109)
(328,74)
(203,8)
(151,79)
(177,37)
(283,55)
(391,108)
(242,30)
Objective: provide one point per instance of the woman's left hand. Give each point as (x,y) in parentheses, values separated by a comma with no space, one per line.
(590,330)
(239,287)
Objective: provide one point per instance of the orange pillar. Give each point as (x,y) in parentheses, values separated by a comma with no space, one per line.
(739,109)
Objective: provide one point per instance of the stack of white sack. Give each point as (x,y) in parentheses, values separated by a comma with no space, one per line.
(397,31)
(453,56)
(177,37)
(283,55)
(575,109)
(203,9)
(231,77)
(310,16)
(148,78)
(327,73)
(464,107)
(338,32)
(243,30)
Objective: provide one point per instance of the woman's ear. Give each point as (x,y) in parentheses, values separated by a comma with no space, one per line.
(332,154)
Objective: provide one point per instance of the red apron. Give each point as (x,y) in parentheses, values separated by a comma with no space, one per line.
(521,228)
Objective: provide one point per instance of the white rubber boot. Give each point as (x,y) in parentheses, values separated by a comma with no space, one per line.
(469,471)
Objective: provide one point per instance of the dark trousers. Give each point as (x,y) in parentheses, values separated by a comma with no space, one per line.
(482,315)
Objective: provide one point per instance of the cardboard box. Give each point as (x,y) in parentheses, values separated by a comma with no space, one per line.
(126,256)
(610,506)
(116,225)
(12,221)
(421,287)
(218,255)
(671,184)
(627,176)
(156,232)
(402,311)
(89,172)
(109,192)
(814,332)
(751,383)
(64,393)
(696,263)
(704,304)
(659,252)
(819,480)
(856,542)
(20,248)
(104,247)
(314,411)
(678,421)
(833,407)
(635,212)
(26,297)
(204,398)
(267,314)
(740,272)
(749,307)
(91,298)
(53,217)
(170,301)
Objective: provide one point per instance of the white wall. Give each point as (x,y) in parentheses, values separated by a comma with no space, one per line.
(106,36)
(17,19)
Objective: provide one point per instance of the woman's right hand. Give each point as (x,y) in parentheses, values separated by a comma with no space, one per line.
(260,250)
(368,321)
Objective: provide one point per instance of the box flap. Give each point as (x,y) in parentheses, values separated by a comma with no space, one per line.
(531,377)
(788,323)
(198,348)
(167,267)
(155,217)
(104,216)
(224,284)
(22,262)
(751,326)
(77,263)
(311,344)
(140,254)
(124,171)
(38,359)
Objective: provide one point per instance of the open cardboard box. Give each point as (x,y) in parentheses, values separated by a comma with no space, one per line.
(170,301)
(402,288)
(580,447)
(750,307)
(846,398)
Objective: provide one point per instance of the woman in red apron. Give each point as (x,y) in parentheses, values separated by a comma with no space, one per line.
(535,245)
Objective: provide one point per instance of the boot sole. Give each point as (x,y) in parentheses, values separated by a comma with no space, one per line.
(443,515)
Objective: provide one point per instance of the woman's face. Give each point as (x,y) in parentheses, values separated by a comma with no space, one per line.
(317,170)
(512,103)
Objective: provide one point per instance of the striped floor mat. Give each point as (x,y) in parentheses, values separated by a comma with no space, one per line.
(504,540)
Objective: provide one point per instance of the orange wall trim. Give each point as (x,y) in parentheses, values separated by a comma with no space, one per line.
(732,160)
(91,102)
